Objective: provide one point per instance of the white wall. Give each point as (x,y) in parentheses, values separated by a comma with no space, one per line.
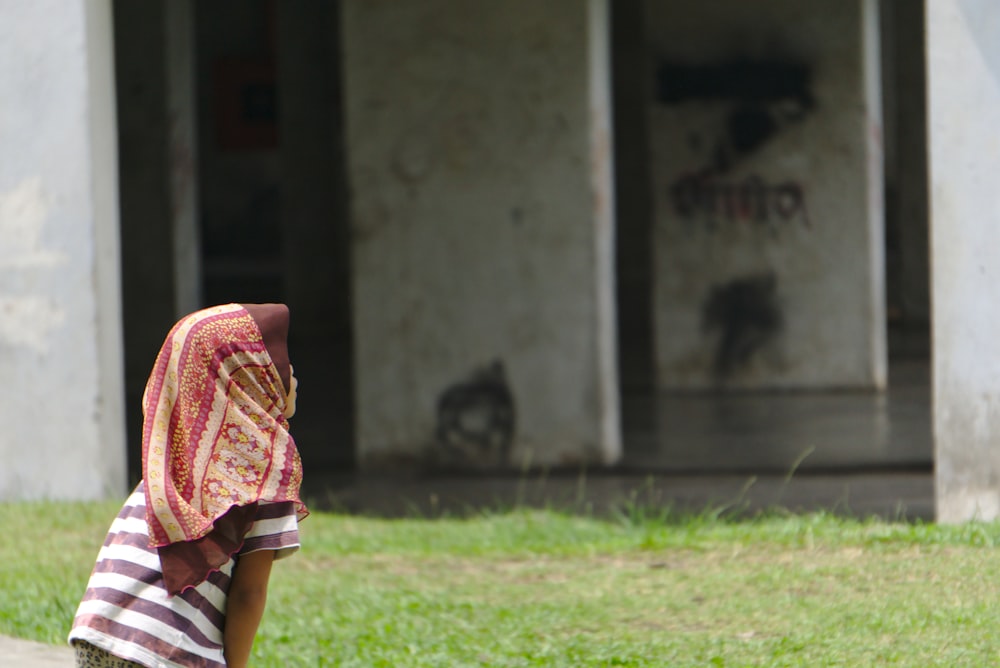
(784,231)
(964,103)
(60,342)
(479,166)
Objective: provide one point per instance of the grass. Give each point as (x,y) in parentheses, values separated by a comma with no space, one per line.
(541,588)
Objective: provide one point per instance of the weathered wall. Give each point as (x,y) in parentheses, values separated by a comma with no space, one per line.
(59,307)
(964,102)
(765,129)
(479,165)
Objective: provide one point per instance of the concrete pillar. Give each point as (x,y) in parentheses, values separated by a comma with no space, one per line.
(479,166)
(766,138)
(963,79)
(60,320)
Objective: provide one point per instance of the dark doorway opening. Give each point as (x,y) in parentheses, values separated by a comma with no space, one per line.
(271,201)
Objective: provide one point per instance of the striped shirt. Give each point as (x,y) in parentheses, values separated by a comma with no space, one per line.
(126,610)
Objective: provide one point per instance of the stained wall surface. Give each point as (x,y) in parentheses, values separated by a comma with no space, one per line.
(60,341)
(479,168)
(766,166)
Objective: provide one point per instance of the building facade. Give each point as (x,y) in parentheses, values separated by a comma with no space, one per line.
(513,234)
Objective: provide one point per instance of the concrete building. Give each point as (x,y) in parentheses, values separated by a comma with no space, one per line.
(513,234)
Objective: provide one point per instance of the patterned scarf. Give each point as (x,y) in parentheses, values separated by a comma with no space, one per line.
(215,440)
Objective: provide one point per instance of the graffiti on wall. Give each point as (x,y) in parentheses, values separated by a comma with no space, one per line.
(475,419)
(763,98)
(750,200)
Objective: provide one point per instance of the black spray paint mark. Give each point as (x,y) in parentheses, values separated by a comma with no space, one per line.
(475,418)
(750,127)
(743,80)
(746,315)
(766,96)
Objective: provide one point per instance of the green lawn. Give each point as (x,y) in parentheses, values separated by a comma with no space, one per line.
(530,588)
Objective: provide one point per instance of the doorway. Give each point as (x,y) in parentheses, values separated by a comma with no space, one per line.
(267,166)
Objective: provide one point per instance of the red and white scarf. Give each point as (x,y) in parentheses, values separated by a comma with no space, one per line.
(215,441)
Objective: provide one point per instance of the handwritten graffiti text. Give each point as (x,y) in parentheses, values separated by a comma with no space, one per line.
(751,200)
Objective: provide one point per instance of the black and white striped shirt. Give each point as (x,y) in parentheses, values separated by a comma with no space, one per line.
(126,610)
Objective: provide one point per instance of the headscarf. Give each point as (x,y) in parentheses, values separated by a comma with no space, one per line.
(215,439)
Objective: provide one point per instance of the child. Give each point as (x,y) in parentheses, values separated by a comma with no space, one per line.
(182,577)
